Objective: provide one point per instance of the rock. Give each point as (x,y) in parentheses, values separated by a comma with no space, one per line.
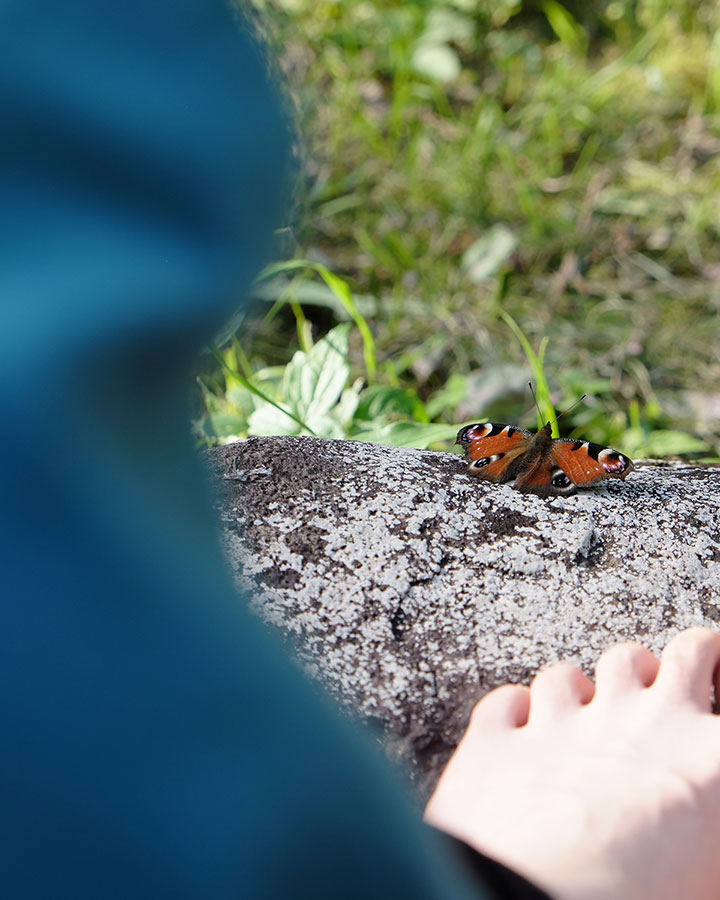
(410,589)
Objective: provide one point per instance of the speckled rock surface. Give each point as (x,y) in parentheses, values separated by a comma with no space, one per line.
(410,589)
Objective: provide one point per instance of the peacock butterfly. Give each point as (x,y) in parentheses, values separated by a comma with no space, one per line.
(538,463)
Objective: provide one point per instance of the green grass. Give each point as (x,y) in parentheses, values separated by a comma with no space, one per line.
(464,165)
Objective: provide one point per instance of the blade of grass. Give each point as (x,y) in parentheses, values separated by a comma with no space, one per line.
(302,325)
(241,358)
(566,29)
(344,295)
(542,391)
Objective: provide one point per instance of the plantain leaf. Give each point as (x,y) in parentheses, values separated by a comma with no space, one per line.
(267,419)
(313,384)
(315,380)
(407,434)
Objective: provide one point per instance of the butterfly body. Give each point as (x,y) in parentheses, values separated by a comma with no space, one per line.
(538,463)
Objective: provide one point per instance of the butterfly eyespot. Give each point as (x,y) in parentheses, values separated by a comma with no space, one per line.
(470,433)
(485,461)
(479,430)
(560,479)
(613,461)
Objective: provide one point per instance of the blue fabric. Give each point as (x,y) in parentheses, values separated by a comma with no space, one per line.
(155,741)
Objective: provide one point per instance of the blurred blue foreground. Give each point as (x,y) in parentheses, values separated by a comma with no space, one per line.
(155,741)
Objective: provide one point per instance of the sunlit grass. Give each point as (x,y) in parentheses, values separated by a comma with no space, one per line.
(463,162)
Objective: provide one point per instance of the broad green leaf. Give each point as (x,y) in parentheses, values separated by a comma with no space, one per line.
(269,419)
(407,434)
(241,399)
(314,381)
(380,400)
(348,403)
(250,386)
(326,426)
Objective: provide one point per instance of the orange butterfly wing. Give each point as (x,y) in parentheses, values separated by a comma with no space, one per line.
(586,463)
(571,464)
(494,451)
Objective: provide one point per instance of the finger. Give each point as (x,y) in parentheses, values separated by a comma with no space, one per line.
(622,669)
(557,691)
(505,707)
(689,668)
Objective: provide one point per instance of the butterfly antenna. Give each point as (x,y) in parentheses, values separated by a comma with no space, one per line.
(537,406)
(570,408)
(563,413)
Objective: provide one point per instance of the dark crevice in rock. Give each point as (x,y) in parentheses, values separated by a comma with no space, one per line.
(398,624)
(591,554)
